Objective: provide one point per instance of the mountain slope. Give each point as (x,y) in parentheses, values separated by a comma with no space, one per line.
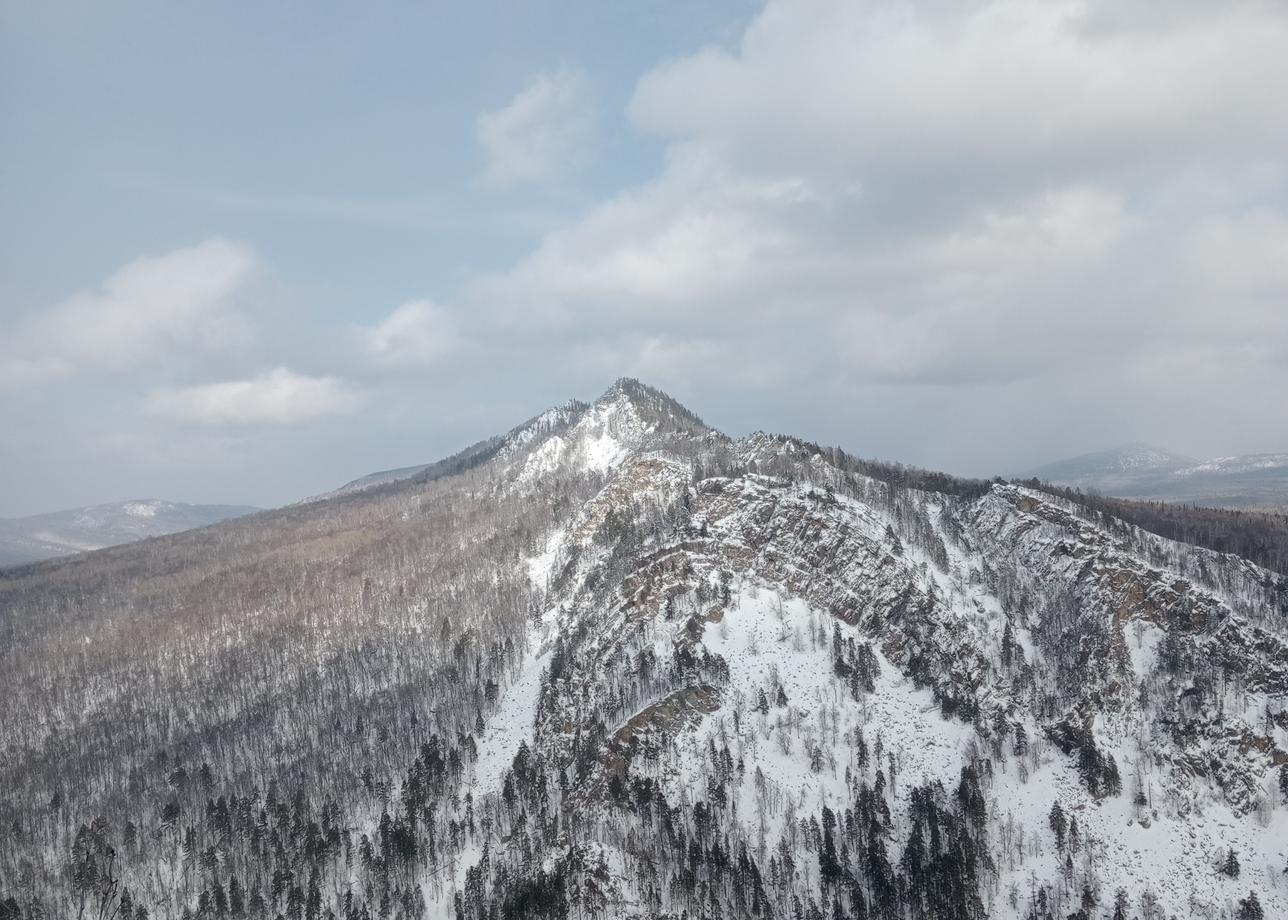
(539,426)
(627,665)
(48,536)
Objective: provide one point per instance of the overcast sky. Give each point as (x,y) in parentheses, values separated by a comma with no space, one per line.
(251,251)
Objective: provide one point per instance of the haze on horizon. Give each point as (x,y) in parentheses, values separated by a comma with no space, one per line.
(250,253)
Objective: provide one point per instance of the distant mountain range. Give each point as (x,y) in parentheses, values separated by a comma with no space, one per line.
(78,530)
(1148,472)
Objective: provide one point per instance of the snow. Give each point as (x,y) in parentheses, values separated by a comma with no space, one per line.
(765,633)
(1143,640)
(603,437)
(509,726)
(1173,858)
(544,459)
(768,635)
(540,567)
(601,452)
(1245,463)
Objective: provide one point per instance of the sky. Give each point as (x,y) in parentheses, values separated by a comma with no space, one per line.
(249,252)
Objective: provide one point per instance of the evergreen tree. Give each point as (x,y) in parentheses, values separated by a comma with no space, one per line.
(1250,908)
(1230,866)
(1121,903)
(236,899)
(1058,825)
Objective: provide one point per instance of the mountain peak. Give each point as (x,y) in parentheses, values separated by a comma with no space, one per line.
(656,409)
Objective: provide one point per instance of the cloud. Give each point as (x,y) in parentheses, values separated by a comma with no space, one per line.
(180,299)
(983,85)
(974,234)
(995,201)
(543,132)
(280,397)
(418,332)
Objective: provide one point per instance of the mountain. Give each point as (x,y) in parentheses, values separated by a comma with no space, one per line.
(1102,469)
(48,536)
(1257,481)
(625,665)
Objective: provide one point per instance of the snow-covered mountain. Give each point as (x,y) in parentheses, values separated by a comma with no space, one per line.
(1145,472)
(1247,463)
(623,665)
(547,423)
(61,533)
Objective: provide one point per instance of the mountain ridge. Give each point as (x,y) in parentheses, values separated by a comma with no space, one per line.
(629,666)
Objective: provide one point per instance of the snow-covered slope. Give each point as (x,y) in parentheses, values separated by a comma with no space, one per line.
(502,446)
(758,648)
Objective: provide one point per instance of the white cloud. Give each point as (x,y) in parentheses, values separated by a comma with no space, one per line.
(280,397)
(418,332)
(543,132)
(984,197)
(696,234)
(997,85)
(955,232)
(180,299)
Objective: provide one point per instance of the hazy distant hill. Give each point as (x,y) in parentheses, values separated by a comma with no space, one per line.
(1145,471)
(61,533)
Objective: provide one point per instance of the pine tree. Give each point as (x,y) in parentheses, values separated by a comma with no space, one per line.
(1250,908)
(1230,866)
(1058,825)
(1121,904)
(829,869)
